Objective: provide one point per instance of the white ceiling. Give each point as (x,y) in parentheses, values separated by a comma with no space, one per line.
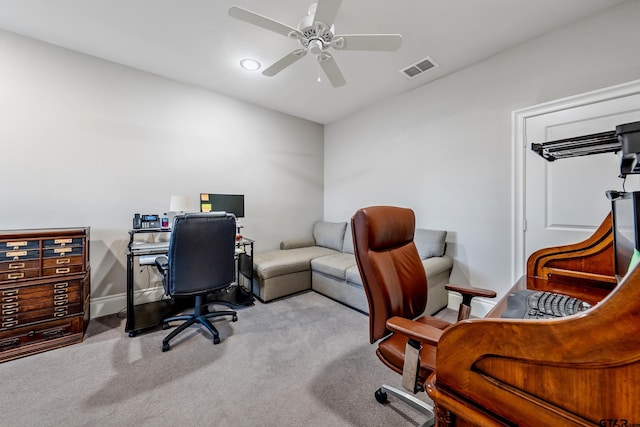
(196,42)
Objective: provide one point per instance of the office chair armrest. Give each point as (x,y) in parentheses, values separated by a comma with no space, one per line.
(468,293)
(415,330)
(162,264)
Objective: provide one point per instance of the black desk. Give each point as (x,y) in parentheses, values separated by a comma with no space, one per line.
(149,315)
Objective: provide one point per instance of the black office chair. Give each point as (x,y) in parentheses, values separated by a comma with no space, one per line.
(200,261)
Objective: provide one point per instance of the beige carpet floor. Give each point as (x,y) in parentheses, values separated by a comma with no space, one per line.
(300,361)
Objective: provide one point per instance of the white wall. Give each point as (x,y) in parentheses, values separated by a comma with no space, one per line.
(86,142)
(445,149)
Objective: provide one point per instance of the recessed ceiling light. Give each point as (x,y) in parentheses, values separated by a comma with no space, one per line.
(250,64)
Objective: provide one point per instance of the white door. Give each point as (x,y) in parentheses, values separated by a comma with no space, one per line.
(564,201)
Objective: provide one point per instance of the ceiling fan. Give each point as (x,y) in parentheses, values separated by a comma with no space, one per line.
(316,34)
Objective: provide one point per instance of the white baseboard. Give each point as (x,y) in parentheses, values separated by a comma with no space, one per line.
(479,306)
(111,304)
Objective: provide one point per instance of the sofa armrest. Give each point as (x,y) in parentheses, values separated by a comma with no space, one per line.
(297,243)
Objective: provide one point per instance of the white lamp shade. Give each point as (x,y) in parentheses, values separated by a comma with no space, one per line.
(180,204)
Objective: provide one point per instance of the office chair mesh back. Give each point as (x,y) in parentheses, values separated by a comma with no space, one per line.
(392,273)
(201,258)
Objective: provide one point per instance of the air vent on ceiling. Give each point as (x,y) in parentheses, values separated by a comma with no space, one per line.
(418,68)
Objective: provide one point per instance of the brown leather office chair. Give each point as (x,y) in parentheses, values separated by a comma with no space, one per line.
(395,283)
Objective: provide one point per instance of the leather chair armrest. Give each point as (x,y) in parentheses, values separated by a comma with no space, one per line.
(472,292)
(415,330)
(468,293)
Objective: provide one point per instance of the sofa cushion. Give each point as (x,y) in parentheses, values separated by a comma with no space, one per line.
(333,265)
(329,234)
(430,243)
(436,265)
(353,275)
(347,244)
(279,262)
(297,243)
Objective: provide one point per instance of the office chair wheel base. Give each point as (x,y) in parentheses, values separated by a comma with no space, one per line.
(216,340)
(234,318)
(381,396)
(166,347)
(165,326)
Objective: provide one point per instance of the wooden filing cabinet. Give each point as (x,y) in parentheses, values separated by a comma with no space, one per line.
(44,289)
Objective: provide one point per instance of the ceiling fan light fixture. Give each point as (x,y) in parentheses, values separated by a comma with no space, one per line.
(315,46)
(250,64)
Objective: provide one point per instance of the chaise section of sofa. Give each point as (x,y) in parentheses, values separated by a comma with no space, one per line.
(287,271)
(327,265)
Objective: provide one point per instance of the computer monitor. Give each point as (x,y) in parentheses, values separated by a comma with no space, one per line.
(625,208)
(231,203)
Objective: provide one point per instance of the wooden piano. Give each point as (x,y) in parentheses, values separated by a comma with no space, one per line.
(582,370)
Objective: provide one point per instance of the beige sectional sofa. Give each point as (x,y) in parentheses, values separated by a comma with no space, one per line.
(325,263)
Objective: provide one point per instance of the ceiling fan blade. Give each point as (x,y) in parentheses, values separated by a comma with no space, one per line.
(261,21)
(330,68)
(284,62)
(326,11)
(367,42)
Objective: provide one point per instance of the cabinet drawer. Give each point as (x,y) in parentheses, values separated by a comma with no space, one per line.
(20,306)
(58,271)
(21,274)
(24,293)
(47,331)
(19,265)
(19,255)
(14,245)
(62,242)
(65,251)
(48,313)
(62,261)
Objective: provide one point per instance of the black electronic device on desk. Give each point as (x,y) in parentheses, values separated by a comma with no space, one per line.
(146,222)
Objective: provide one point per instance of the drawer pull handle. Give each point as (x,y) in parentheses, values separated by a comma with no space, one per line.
(9,299)
(52,334)
(63,261)
(60,291)
(62,270)
(59,314)
(5,345)
(59,297)
(12,305)
(15,275)
(61,285)
(62,241)
(16,265)
(9,324)
(10,293)
(11,311)
(61,302)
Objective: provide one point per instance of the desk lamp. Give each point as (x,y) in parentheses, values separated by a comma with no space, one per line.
(180,204)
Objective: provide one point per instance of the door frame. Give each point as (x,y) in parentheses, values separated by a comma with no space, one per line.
(519,144)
